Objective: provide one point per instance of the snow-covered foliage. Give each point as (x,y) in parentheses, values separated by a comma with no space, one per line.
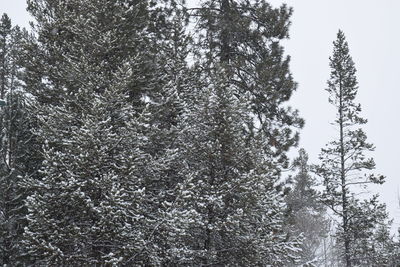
(306,214)
(227,210)
(18,149)
(345,163)
(134,138)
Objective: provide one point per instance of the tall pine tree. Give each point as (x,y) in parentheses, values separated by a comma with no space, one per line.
(18,149)
(234,136)
(246,35)
(344,163)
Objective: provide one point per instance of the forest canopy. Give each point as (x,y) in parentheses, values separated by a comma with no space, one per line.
(148,133)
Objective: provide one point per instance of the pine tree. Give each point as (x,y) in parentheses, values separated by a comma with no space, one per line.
(109,33)
(344,163)
(166,106)
(245,36)
(373,244)
(228,211)
(235,132)
(123,124)
(106,104)
(5,32)
(88,207)
(306,214)
(18,149)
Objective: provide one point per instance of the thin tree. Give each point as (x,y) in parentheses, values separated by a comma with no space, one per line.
(344,163)
(18,149)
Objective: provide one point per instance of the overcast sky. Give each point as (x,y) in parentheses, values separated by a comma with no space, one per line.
(371,28)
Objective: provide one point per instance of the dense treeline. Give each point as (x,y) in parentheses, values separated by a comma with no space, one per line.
(146,133)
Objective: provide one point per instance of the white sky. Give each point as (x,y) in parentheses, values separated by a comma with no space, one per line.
(371,28)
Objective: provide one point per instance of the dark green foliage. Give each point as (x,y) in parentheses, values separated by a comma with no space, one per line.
(233,137)
(18,148)
(245,36)
(107,107)
(127,142)
(90,206)
(228,212)
(102,34)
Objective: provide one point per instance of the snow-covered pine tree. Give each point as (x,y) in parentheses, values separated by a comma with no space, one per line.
(306,214)
(18,151)
(166,104)
(101,92)
(228,211)
(234,136)
(344,163)
(5,35)
(238,57)
(369,226)
(89,206)
(245,35)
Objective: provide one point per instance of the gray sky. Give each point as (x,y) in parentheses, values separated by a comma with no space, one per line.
(371,28)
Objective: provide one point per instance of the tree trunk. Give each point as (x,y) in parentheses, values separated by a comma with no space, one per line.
(343,181)
(225,34)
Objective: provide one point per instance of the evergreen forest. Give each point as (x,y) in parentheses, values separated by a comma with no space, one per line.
(151,133)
